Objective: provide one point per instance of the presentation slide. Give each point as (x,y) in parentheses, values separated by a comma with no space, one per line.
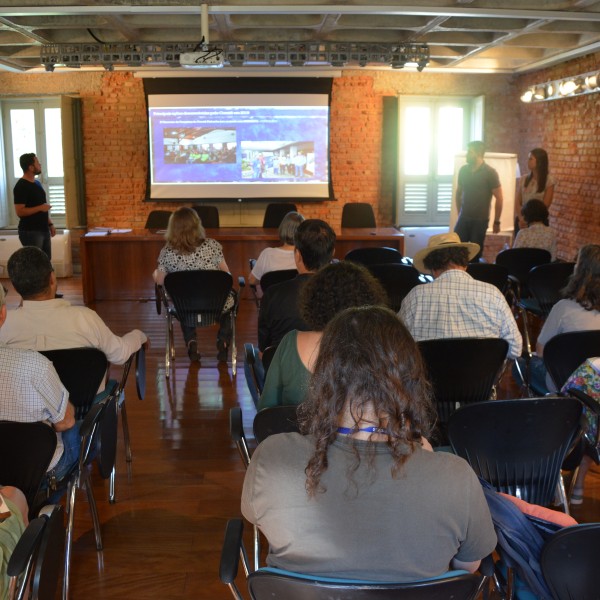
(239,146)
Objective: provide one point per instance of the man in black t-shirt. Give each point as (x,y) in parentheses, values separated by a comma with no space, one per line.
(477,183)
(35,226)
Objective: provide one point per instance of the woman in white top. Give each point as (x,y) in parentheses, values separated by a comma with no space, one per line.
(538,183)
(282,257)
(537,234)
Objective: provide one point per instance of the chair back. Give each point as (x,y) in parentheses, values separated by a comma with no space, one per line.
(27,450)
(374,256)
(107,438)
(272,277)
(209,215)
(198,296)
(81,371)
(275,212)
(36,559)
(546,282)
(571,562)
(267,357)
(566,351)
(158,219)
(358,214)
(517,446)
(462,370)
(397,280)
(489,273)
(519,261)
(274,419)
(265,584)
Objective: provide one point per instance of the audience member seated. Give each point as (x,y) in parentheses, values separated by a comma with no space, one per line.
(537,234)
(188,249)
(31,391)
(282,257)
(332,289)
(44,322)
(455,305)
(279,313)
(13,521)
(359,494)
(578,311)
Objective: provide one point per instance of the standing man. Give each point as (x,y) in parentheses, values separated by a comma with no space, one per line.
(35,226)
(477,183)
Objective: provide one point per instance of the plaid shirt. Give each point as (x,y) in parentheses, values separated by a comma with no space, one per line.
(31,391)
(456,305)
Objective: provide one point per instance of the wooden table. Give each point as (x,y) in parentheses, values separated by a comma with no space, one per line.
(120,266)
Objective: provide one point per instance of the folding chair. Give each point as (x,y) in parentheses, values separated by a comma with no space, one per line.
(397,280)
(197,298)
(519,261)
(272,278)
(492,273)
(270,583)
(374,256)
(35,564)
(158,219)
(275,212)
(518,446)
(358,214)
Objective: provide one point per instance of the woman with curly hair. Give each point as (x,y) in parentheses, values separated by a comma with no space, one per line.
(188,249)
(537,234)
(358,494)
(332,289)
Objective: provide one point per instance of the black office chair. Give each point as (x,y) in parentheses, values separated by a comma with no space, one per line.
(462,371)
(268,584)
(492,273)
(566,351)
(545,283)
(358,214)
(253,370)
(209,215)
(197,298)
(275,212)
(158,219)
(268,421)
(571,564)
(267,357)
(35,561)
(397,280)
(27,450)
(519,262)
(374,256)
(271,278)
(518,446)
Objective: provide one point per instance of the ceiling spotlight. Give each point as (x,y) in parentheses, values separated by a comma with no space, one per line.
(540,92)
(567,87)
(527,96)
(592,81)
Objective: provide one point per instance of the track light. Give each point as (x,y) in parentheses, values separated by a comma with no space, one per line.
(568,87)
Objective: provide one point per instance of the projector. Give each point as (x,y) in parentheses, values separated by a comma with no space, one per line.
(202,59)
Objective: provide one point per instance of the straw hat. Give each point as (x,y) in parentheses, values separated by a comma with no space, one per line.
(438,242)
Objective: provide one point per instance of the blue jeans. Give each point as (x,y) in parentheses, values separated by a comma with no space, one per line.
(472,230)
(39,239)
(71,446)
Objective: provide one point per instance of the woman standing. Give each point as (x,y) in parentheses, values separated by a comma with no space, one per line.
(188,249)
(538,183)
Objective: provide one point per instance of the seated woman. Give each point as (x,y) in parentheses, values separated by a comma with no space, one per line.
(282,257)
(578,311)
(332,289)
(188,249)
(358,494)
(537,234)
(13,521)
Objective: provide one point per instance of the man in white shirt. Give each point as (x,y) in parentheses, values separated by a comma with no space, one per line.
(456,305)
(44,322)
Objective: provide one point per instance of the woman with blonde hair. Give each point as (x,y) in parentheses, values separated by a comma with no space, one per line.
(188,249)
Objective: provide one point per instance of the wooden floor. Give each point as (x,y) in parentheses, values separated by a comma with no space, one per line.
(162,538)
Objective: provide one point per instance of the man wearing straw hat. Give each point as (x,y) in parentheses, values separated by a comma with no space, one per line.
(454,304)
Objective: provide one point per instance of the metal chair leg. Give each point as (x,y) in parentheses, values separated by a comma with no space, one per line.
(168,349)
(526,330)
(560,490)
(233,347)
(94,510)
(111,486)
(125,425)
(256,548)
(70,504)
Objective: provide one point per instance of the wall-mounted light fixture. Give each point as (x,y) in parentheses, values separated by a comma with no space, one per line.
(568,87)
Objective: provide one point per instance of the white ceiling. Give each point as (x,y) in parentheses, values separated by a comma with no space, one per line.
(505,36)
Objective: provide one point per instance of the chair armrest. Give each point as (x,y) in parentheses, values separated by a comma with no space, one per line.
(25,547)
(586,400)
(230,553)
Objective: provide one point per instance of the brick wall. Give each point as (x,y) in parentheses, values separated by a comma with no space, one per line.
(115,139)
(569,130)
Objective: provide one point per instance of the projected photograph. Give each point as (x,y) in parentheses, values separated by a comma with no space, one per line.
(195,145)
(278,161)
(239,150)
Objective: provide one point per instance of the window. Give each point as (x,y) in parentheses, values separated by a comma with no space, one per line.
(34,126)
(432,132)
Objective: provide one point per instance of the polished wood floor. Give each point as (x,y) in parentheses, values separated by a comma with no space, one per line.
(162,538)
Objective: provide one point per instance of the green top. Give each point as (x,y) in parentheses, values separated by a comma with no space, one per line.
(10,532)
(287,378)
